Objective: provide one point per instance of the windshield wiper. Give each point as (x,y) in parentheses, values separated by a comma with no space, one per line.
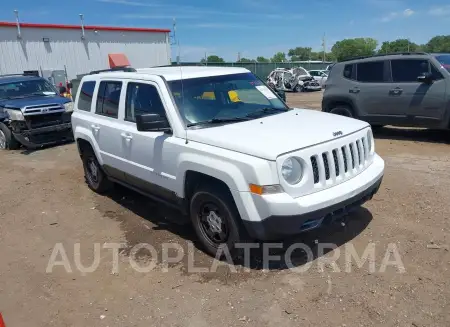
(218,121)
(263,111)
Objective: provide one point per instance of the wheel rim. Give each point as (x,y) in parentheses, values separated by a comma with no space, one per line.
(213,227)
(342,112)
(92,171)
(2,140)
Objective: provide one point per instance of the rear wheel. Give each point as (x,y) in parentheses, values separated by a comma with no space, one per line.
(94,175)
(7,140)
(216,220)
(343,111)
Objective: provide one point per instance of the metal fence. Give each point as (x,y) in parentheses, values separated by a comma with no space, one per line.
(262,70)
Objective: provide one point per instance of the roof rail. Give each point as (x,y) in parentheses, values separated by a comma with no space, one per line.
(386,54)
(114,69)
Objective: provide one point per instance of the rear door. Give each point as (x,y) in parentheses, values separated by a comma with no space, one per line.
(105,127)
(415,100)
(371,91)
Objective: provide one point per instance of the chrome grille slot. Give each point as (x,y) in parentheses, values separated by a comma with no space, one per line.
(336,162)
(344,155)
(326,165)
(352,154)
(315,169)
(359,150)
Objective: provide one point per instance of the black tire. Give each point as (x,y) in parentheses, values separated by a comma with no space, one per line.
(298,88)
(94,175)
(7,140)
(376,127)
(343,111)
(209,199)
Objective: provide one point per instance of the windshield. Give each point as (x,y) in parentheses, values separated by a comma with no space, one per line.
(22,89)
(444,60)
(225,98)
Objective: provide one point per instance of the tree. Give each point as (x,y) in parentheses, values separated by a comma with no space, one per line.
(300,54)
(245,60)
(349,48)
(439,43)
(399,45)
(279,57)
(262,59)
(212,59)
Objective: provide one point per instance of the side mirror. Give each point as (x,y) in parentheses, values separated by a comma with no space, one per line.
(152,123)
(426,78)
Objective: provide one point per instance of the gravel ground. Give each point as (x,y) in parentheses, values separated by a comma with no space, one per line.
(44,201)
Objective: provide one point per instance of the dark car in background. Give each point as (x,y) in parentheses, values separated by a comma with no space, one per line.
(32,113)
(402,89)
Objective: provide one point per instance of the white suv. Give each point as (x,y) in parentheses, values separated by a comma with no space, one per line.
(221,146)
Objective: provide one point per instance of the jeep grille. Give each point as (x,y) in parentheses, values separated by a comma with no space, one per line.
(342,161)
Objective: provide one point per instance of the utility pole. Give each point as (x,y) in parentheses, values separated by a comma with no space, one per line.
(239,57)
(324,47)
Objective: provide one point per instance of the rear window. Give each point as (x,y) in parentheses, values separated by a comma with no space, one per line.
(372,72)
(108,99)
(85,98)
(348,71)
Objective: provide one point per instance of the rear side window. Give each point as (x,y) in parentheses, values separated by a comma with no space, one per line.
(108,99)
(142,99)
(85,98)
(371,72)
(348,71)
(407,70)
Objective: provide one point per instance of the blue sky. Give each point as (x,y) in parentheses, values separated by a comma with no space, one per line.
(251,27)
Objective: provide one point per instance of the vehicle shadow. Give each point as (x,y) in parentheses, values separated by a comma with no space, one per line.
(308,246)
(28,151)
(412,134)
(295,252)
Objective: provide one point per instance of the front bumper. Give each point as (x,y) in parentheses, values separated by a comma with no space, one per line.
(43,136)
(279,215)
(312,87)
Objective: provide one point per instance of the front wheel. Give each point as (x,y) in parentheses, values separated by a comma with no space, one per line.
(7,140)
(298,88)
(216,220)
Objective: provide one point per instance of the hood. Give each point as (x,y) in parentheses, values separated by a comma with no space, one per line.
(271,136)
(32,101)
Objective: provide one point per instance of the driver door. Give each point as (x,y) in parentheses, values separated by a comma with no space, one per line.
(151,156)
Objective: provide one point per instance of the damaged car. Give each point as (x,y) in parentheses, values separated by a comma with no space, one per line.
(292,79)
(32,113)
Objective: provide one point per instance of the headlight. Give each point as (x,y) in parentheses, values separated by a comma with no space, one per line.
(68,106)
(370,140)
(15,114)
(292,170)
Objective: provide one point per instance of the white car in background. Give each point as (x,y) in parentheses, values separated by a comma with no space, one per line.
(320,76)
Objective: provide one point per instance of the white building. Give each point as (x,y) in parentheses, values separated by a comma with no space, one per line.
(45,47)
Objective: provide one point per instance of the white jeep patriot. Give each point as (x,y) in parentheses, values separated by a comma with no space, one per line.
(225,149)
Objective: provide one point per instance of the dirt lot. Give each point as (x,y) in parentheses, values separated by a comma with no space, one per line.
(44,201)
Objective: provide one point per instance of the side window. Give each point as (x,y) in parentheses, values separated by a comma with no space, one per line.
(85,98)
(348,71)
(313,73)
(407,70)
(108,99)
(372,71)
(142,99)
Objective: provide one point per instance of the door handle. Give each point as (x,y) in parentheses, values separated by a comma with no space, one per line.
(127,136)
(354,90)
(396,91)
(95,127)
